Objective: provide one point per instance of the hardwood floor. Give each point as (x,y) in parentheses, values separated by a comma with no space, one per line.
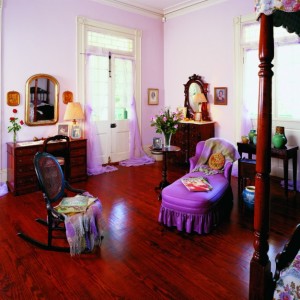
(139,258)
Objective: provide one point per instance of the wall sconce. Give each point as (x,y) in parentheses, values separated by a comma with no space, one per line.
(74,112)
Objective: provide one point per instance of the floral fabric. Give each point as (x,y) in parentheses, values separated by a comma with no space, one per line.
(288,285)
(268,6)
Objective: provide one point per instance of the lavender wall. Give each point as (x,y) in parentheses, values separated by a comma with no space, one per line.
(202,43)
(39,36)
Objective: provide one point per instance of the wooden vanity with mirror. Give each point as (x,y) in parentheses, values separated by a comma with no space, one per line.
(190,132)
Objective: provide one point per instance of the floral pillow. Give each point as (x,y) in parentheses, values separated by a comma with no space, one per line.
(216,161)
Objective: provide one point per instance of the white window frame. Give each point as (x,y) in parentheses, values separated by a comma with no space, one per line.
(239,56)
(82,26)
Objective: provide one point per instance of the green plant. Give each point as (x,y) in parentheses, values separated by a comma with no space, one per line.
(166,121)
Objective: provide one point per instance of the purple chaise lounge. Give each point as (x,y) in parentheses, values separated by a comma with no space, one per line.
(200,211)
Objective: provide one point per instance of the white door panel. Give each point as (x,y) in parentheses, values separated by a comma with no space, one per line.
(120,141)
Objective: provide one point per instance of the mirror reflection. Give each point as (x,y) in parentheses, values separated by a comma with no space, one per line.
(41,107)
(194,91)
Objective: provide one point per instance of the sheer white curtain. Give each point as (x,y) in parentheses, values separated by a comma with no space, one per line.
(137,155)
(94,167)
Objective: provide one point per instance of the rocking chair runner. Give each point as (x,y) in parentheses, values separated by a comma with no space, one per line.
(54,187)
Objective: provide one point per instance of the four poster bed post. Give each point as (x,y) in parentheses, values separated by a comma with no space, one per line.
(260,266)
(261,284)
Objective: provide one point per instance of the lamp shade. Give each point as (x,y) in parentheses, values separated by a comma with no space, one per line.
(73,112)
(199,98)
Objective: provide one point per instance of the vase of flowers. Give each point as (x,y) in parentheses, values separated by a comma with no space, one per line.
(15,125)
(166,123)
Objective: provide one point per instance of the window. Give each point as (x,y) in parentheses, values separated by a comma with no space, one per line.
(109,51)
(285,95)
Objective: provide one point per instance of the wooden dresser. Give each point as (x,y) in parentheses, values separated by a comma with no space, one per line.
(21,177)
(187,136)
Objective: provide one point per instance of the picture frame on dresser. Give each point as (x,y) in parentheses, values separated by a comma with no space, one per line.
(63,129)
(75,132)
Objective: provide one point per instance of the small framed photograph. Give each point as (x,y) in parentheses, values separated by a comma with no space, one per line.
(153,96)
(63,129)
(183,111)
(157,143)
(220,96)
(75,132)
(197,116)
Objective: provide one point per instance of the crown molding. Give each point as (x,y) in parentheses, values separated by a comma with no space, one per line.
(188,6)
(139,9)
(167,13)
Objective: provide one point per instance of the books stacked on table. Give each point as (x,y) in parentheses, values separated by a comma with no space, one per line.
(196,184)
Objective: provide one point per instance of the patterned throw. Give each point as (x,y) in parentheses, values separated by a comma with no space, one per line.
(215,145)
(84,230)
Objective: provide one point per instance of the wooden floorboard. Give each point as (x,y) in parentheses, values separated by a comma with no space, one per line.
(139,258)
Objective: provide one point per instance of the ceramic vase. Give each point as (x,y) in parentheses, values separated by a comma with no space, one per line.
(255,139)
(279,139)
(251,135)
(248,196)
(167,139)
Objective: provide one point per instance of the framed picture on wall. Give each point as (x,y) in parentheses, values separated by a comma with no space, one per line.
(220,96)
(63,129)
(153,96)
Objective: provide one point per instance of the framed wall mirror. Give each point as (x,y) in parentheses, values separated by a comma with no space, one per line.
(195,91)
(41,100)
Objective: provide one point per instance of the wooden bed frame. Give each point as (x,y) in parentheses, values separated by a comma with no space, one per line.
(261,284)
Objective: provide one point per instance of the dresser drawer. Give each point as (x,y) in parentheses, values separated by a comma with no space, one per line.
(24,160)
(26,151)
(78,144)
(27,180)
(25,169)
(77,152)
(76,161)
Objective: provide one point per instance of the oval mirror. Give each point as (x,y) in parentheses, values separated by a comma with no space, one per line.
(41,102)
(195,91)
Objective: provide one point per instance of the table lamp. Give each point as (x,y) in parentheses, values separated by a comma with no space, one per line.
(204,111)
(74,112)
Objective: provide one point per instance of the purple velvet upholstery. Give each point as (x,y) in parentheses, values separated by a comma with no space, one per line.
(196,211)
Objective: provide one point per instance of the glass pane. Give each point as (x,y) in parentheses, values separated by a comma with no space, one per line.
(123,90)
(108,41)
(250,88)
(287,82)
(98,87)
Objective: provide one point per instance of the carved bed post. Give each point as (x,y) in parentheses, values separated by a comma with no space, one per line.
(260,266)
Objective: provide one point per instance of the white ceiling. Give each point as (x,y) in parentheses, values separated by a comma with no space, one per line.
(160,8)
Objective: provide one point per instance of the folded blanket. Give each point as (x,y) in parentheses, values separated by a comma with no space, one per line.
(215,145)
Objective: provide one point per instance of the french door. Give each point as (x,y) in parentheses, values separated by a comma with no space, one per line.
(110,89)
